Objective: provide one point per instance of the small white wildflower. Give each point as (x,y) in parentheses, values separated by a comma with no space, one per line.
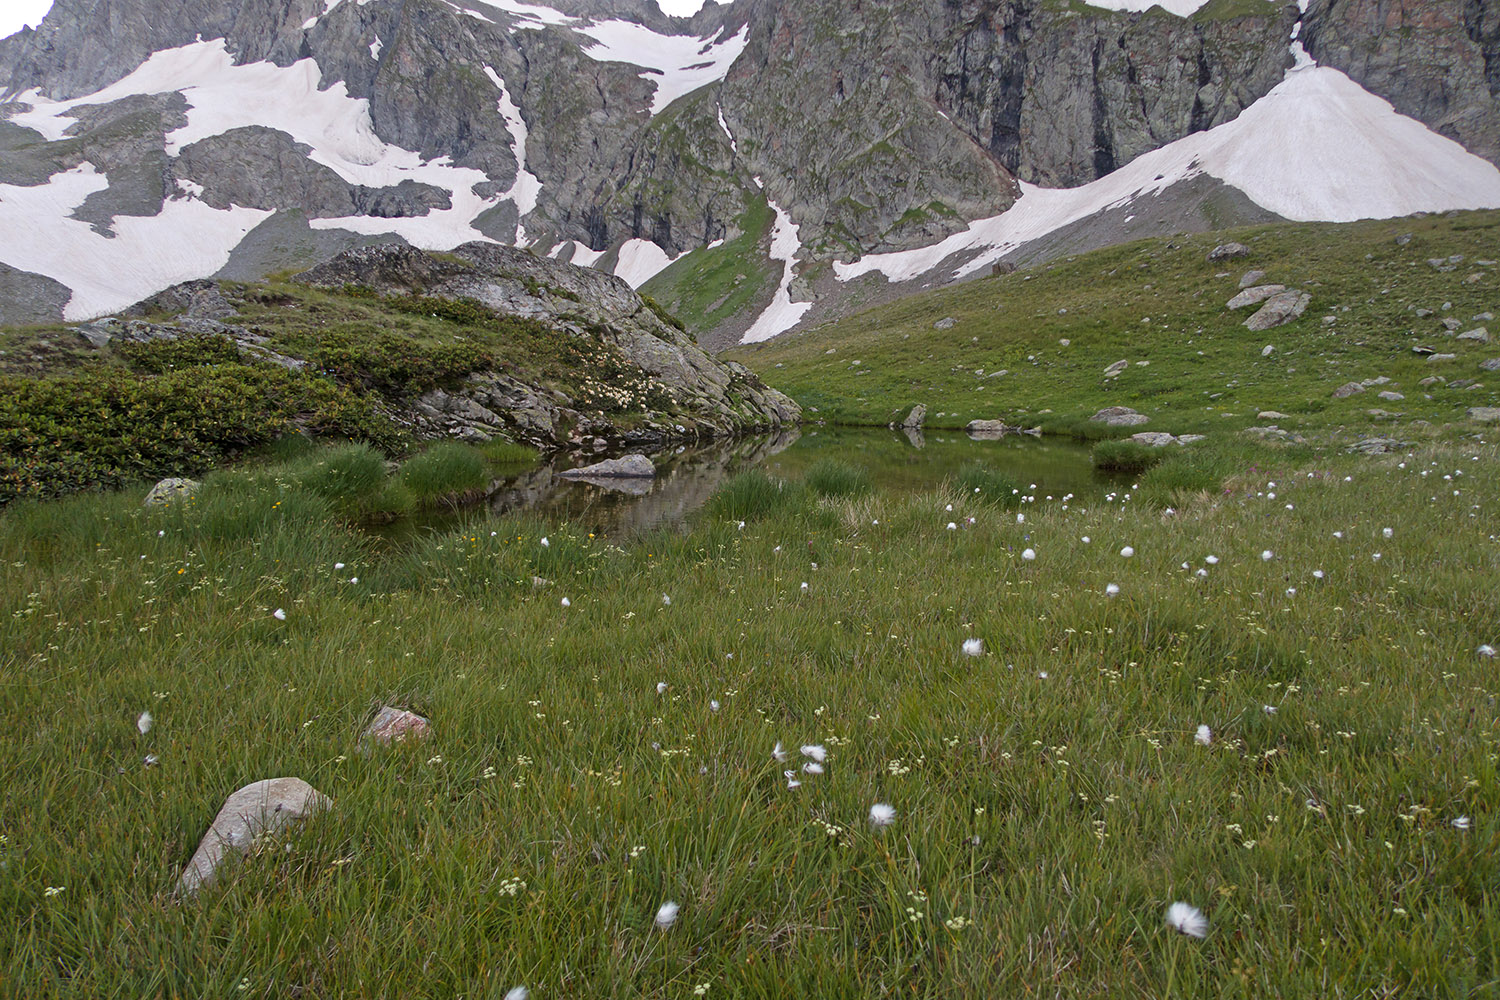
(882,815)
(279,614)
(1318,574)
(1020,518)
(816,751)
(1029,555)
(1112,590)
(973,647)
(1127,553)
(55,890)
(952,526)
(666,601)
(1462,823)
(1187,919)
(159,534)
(1267,555)
(519,993)
(667,915)
(546,543)
(1387,533)
(713,705)
(144,723)
(1486,650)
(661,687)
(1269,709)
(1086,539)
(1204,737)
(804,586)
(567,603)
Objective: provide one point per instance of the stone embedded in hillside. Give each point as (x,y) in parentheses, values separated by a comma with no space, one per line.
(989,430)
(1116,369)
(1347,389)
(1268,350)
(1391,397)
(1273,434)
(394,725)
(1191,438)
(264,808)
(1492,365)
(1120,416)
(1442,357)
(946,323)
(629,467)
(1271,415)
(1228,251)
(1485,414)
(1154,439)
(1279,310)
(1252,278)
(1251,296)
(1451,325)
(1378,446)
(1479,334)
(171,490)
(917,417)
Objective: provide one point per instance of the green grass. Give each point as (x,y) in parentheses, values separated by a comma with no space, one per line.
(1129,458)
(1160,302)
(444,473)
(561,799)
(712,287)
(832,477)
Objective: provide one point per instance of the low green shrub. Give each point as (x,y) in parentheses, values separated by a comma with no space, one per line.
(444,473)
(157,357)
(830,477)
(1128,458)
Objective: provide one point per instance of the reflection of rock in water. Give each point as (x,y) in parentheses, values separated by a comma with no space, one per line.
(620,507)
(636,487)
(915,436)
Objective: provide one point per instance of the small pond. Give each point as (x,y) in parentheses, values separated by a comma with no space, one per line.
(896,461)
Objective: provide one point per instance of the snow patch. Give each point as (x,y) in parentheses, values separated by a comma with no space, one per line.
(638,263)
(1317,148)
(733,143)
(1182,8)
(375,48)
(528,11)
(782,314)
(525,191)
(188,239)
(677,64)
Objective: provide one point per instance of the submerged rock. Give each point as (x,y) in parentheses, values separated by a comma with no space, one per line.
(263,808)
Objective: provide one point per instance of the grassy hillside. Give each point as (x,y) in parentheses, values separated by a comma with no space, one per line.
(1159,304)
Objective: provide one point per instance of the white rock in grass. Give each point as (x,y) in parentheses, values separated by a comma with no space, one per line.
(1187,919)
(264,807)
(169,490)
(666,916)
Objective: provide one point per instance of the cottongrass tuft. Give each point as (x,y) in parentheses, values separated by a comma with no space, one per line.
(666,916)
(779,754)
(812,768)
(144,723)
(1462,823)
(1486,650)
(1387,533)
(1029,555)
(973,647)
(1267,555)
(279,614)
(546,544)
(661,687)
(816,751)
(882,815)
(1113,590)
(791,779)
(1204,737)
(1127,553)
(1185,918)
(518,993)
(567,603)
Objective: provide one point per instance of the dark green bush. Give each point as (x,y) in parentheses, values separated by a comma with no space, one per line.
(379,360)
(157,357)
(1126,457)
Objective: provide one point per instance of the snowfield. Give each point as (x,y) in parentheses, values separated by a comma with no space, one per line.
(1317,148)
(782,314)
(678,64)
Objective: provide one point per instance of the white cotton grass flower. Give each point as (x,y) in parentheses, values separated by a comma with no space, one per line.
(338,565)
(666,916)
(1212,560)
(952,526)
(1269,709)
(567,603)
(1127,552)
(1462,824)
(791,780)
(279,614)
(882,815)
(1267,555)
(1486,650)
(714,705)
(666,600)
(1318,574)
(1113,590)
(518,993)
(804,586)
(1087,540)
(1185,918)
(546,543)
(973,647)
(1387,533)
(661,687)
(1029,555)
(144,723)
(812,768)
(779,753)
(816,751)
(1204,737)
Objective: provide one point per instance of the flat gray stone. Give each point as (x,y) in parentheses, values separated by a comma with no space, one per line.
(1271,415)
(262,808)
(1441,357)
(1228,251)
(1116,368)
(1279,310)
(1154,439)
(1252,278)
(1120,416)
(1492,365)
(1392,397)
(629,467)
(1479,334)
(1191,438)
(1485,414)
(917,417)
(170,491)
(990,430)
(946,323)
(1347,389)
(1251,296)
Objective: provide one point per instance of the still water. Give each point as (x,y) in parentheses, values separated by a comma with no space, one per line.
(896,461)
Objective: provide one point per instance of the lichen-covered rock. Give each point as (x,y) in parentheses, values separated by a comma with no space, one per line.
(1120,416)
(264,808)
(1251,296)
(629,467)
(1279,310)
(171,491)
(396,725)
(1227,251)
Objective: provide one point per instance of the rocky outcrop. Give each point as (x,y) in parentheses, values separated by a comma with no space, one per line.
(1437,61)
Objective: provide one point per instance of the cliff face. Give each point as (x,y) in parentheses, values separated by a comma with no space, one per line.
(871,126)
(1437,61)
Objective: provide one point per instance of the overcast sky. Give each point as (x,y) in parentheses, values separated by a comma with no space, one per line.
(14,14)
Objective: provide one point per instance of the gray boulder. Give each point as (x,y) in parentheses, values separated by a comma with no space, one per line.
(1378,446)
(946,323)
(1120,416)
(1228,251)
(629,467)
(1391,397)
(171,490)
(917,417)
(1154,439)
(1347,389)
(264,808)
(1116,369)
(1479,334)
(1442,357)
(1492,365)
(1485,414)
(989,430)
(1279,310)
(1252,278)
(1250,296)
